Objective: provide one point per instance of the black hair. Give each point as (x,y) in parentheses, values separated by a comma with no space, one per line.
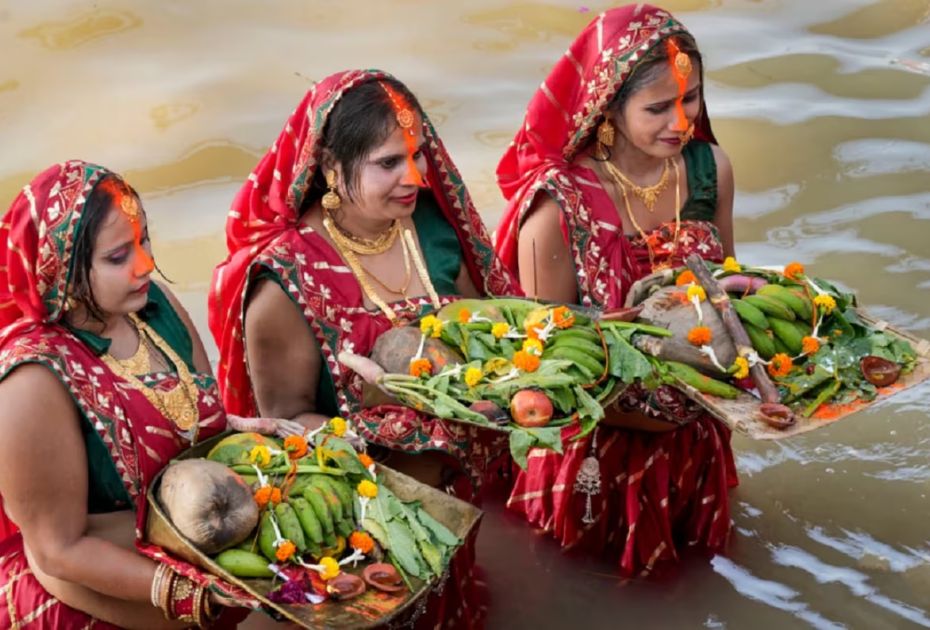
(362,119)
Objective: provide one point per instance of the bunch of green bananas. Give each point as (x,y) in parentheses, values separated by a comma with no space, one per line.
(583,346)
(776,318)
(318,516)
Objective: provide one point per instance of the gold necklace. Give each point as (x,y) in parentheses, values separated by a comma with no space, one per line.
(139,363)
(642,232)
(365,246)
(179,404)
(362,275)
(649,195)
(403,288)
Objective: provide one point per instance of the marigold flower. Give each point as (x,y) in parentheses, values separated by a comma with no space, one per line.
(296,446)
(366,459)
(420,367)
(500,329)
(431,325)
(810,345)
(780,365)
(367,488)
(697,291)
(361,541)
(794,271)
(260,455)
(526,361)
(685,277)
(338,426)
(275,496)
(826,302)
(532,331)
(473,376)
(563,317)
(730,265)
(699,336)
(464,316)
(533,346)
(263,496)
(740,368)
(285,550)
(330,568)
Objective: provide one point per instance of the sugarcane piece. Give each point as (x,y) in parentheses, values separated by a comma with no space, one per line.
(734,326)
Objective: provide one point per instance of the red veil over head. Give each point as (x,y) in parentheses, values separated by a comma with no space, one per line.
(270,202)
(570,103)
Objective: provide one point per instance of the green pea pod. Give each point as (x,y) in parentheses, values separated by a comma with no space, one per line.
(688,375)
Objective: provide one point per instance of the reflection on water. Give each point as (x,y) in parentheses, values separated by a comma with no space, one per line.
(823,107)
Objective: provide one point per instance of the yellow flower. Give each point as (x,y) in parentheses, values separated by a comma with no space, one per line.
(330,568)
(367,488)
(496,365)
(500,329)
(260,456)
(473,376)
(696,291)
(826,302)
(740,368)
(338,426)
(730,264)
(533,346)
(431,325)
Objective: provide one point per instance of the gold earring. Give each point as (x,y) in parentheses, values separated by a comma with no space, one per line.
(686,137)
(605,139)
(70,303)
(331,200)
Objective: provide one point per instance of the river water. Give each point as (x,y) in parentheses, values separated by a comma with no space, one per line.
(823,107)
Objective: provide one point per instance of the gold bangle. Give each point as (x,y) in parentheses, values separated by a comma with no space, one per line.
(164,595)
(157,581)
(200,602)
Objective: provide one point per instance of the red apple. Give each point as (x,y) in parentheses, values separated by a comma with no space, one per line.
(531,408)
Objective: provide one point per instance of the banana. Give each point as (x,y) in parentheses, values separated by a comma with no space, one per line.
(761,341)
(329,493)
(309,522)
(317,501)
(266,537)
(803,328)
(586,346)
(580,359)
(749,313)
(244,564)
(577,332)
(687,374)
(780,346)
(344,491)
(770,306)
(289,525)
(345,527)
(800,306)
(787,334)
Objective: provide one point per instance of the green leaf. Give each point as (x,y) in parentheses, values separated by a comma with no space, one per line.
(440,531)
(433,556)
(563,398)
(625,361)
(410,516)
(377,532)
(404,547)
(520,444)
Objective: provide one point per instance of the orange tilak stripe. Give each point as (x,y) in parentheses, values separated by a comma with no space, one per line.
(681,79)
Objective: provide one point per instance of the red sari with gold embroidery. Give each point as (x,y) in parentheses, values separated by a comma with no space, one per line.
(265,238)
(658,491)
(36,243)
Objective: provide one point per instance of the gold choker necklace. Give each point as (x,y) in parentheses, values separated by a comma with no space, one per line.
(642,232)
(364,246)
(649,195)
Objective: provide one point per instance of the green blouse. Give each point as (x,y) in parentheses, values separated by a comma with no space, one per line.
(442,254)
(106,492)
(702,182)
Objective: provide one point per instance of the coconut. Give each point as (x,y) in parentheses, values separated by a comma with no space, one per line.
(208,503)
(669,308)
(394,349)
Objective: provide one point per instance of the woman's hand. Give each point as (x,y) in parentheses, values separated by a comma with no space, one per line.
(281,427)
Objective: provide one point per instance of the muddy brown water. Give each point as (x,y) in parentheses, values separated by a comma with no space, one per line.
(824,108)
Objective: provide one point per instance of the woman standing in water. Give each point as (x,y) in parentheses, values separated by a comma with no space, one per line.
(356,221)
(614,174)
(103,379)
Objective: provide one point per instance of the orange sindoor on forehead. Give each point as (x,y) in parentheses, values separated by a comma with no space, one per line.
(406,120)
(125,200)
(680,63)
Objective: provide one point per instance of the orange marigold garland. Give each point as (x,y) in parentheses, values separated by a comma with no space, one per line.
(699,336)
(420,367)
(780,365)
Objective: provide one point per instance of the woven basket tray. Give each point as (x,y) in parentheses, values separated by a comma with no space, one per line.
(373,608)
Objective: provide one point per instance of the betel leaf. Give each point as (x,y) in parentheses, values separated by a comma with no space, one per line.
(410,516)
(377,532)
(588,407)
(563,398)
(440,531)
(625,361)
(523,439)
(404,547)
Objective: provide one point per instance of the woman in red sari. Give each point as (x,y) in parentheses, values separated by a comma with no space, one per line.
(124,385)
(615,174)
(355,221)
